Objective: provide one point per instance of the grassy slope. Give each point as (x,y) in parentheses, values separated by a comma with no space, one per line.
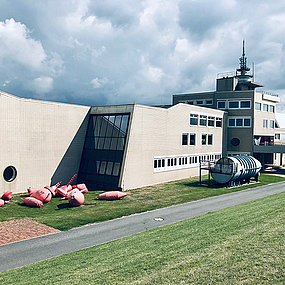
(243,244)
(59,215)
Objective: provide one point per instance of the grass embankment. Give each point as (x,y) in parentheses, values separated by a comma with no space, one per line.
(58,214)
(243,244)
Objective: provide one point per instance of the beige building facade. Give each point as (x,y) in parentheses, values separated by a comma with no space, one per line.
(41,142)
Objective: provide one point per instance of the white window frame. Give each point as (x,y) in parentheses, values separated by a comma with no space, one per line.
(221,101)
(259,104)
(271,124)
(265,124)
(195,136)
(204,119)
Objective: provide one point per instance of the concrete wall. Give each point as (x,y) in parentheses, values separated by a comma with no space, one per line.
(157,133)
(42,140)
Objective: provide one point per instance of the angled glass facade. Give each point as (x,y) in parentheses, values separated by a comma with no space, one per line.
(103,152)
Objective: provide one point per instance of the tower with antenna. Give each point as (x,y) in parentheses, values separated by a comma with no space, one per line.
(243,67)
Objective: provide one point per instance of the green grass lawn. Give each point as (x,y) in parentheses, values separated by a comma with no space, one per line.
(243,244)
(59,215)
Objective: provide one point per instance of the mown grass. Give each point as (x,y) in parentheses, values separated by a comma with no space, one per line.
(243,244)
(58,214)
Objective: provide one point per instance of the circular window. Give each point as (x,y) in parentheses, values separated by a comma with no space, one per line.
(235,141)
(10,173)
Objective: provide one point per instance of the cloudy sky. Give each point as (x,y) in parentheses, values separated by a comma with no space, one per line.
(136,51)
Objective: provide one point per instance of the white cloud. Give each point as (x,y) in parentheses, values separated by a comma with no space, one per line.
(41,85)
(99,83)
(16,44)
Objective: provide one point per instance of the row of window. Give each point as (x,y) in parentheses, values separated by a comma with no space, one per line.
(185,161)
(200,102)
(190,139)
(239,122)
(265,107)
(205,121)
(237,104)
(271,124)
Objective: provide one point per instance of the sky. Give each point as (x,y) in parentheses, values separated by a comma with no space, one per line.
(136,51)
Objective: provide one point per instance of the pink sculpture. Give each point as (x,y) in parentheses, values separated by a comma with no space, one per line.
(43,195)
(31,191)
(82,187)
(7,196)
(75,198)
(32,202)
(112,195)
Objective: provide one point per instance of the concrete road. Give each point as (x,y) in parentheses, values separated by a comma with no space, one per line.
(25,252)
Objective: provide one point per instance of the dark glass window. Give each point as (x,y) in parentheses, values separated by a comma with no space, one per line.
(239,122)
(193,119)
(232,122)
(203,120)
(218,122)
(245,104)
(184,139)
(204,139)
(233,104)
(103,151)
(247,122)
(210,139)
(211,121)
(192,139)
(221,104)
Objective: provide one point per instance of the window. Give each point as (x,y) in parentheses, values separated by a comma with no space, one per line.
(247,122)
(233,104)
(265,122)
(192,139)
(204,139)
(221,104)
(245,104)
(271,109)
(210,139)
(193,119)
(218,122)
(232,122)
(211,121)
(239,122)
(203,120)
(257,106)
(277,136)
(190,102)
(209,102)
(199,102)
(184,139)
(265,107)
(271,124)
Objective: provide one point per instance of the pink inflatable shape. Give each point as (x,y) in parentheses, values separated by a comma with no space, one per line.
(63,190)
(31,191)
(33,202)
(43,195)
(7,196)
(2,202)
(75,198)
(82,187)
(112,195)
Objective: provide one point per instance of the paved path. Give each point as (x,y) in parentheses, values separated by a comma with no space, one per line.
(25,252)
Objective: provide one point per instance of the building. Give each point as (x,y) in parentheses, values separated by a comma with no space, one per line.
(111,147)
(250,122)
(132,146)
